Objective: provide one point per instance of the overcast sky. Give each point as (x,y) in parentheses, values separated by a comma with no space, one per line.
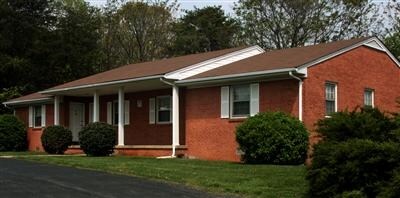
(227,5)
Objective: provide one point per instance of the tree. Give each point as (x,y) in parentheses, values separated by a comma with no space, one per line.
(392,41)
(141,30)
(277,24)
(205,29)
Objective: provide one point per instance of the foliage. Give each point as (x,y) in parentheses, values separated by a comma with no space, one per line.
(204,29)
(56,139)
(356,164)
(358,157)
(273,137)
(8,94)
(277,24)
(367,123)
(12,134)
(97,139)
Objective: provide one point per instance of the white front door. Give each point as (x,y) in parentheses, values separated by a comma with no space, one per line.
(76,119)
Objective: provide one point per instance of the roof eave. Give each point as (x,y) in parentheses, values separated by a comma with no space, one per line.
(55,91)
(234,77)
(28,101)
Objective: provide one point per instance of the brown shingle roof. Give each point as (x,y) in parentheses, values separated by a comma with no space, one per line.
(30,97)
(146,69)
(280,59)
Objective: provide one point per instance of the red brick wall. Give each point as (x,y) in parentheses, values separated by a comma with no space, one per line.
(210,137)
(353,71)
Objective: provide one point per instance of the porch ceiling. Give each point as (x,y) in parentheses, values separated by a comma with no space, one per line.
(136,86)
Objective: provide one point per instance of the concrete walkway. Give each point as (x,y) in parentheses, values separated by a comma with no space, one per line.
(19,178)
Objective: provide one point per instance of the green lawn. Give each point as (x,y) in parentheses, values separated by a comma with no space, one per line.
(217,177)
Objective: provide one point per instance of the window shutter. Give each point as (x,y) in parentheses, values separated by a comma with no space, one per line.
(30,119)
(90,112)
(109,112)
(152,110)
(254,99)
(225,102)
(43,115)
(126,117)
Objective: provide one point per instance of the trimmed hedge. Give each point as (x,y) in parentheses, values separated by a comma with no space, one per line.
(12,134)
(97,139)
(56,139)
(358,157)
(273,138)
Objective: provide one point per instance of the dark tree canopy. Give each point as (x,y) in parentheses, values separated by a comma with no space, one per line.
(204,29)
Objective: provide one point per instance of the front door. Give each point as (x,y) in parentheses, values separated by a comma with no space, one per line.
(76,119)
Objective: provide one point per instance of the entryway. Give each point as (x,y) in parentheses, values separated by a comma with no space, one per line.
(76,119)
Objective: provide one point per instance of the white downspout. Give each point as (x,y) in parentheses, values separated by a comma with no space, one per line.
(175,117)
(300,95)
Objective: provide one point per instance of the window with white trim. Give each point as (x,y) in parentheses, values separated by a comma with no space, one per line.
(115,113)
(163,107)
(330,98)
(369,97)
(240,100)
(37,116)
(112,112)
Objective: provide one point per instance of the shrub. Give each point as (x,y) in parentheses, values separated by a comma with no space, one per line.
(12,134)
(56,139)
(358,157)
(97,139)
(273,137)
(354,165)
(367,123)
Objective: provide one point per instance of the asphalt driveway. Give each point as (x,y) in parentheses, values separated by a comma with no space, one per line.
(19,178)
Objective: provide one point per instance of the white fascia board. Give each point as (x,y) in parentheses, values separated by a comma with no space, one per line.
(365,43)
(247,75)
(29,101)
(52,91)
(214,63)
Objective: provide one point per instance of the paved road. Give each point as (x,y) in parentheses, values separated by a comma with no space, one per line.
(24,179)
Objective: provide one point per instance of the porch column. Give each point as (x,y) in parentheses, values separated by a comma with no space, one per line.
(56,110)
(121,114)
(96,108)
(175,116)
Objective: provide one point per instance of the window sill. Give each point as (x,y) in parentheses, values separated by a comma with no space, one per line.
(163,123)
(241,119)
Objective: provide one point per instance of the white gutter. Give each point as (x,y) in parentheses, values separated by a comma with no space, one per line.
(230,76)
(27,101)
(300,95)
(100,84)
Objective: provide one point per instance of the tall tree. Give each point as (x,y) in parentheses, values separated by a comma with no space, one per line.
(285,23)
(205,29)
(141,31)
(392,41)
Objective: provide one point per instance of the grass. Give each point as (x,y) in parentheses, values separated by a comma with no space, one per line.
(217,177)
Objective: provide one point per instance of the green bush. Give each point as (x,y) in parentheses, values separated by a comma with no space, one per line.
(56,139)
(358,156)
(354,165)
(365,123)
(273,138)
(97,139)
(12,134)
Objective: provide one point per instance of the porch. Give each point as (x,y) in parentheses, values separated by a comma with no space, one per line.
(146,114)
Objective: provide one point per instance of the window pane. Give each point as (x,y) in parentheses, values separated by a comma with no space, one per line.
(330,107)
(241,108)
(115,112)
(330,91)
(164,116)
(164,103)
(368,94)
(37,116)
(241,93)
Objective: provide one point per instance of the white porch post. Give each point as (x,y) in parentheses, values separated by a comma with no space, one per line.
(175,117)
(96,106)
(121,114)
(56,110)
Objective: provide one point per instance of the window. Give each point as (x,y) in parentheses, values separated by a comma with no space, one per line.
(112,112)
(37,116)
(240,102)
(330,98)
(369,98)
(164,105)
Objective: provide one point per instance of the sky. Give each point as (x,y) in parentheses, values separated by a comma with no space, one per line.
(227,5)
